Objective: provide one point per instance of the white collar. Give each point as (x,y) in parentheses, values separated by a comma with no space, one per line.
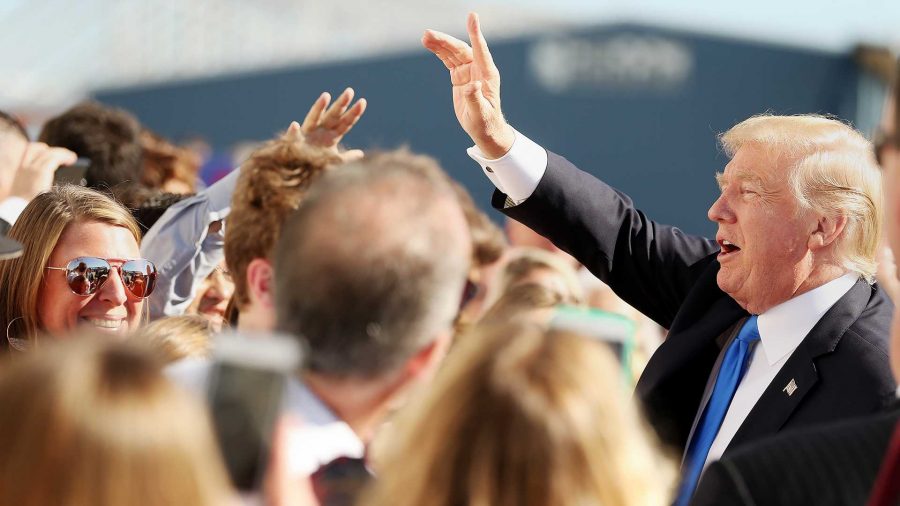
(783,327)
(322,437)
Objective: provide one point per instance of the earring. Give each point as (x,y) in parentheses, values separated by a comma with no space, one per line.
(15,342)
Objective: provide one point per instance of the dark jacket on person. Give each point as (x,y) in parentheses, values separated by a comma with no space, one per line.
(840,369)
(832,464)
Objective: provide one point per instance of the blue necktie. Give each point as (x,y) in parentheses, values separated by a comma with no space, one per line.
(734,365)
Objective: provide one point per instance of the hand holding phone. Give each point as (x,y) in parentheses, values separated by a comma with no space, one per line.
(72,174)
(39,165)
(245,395)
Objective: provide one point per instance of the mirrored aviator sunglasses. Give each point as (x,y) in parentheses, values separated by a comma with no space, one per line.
(85,275)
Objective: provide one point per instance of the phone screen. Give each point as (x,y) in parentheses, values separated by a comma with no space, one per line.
(72,174)
(245,403)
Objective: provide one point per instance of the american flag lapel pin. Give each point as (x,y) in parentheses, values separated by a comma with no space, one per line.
(790,388)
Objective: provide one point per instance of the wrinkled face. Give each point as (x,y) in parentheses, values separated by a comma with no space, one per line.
(112,308)
(763,234)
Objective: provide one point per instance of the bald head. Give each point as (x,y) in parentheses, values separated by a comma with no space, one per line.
(371,267)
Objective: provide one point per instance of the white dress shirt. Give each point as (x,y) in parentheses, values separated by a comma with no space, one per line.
(781,328)
(321,436)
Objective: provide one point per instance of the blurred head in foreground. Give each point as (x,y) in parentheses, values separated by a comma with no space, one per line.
(95,422)
(369,272)
(177,337)
(520,415)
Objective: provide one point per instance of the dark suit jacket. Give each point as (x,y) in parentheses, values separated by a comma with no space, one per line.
(832,464)
(841,368)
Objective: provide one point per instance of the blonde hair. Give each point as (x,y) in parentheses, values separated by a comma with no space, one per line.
(177,337)
(95,422)
(38,228)
(833,173)
(526,300)
(523,261)
(522,416)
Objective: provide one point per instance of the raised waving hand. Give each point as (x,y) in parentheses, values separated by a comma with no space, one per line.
(476,87)
(325,126)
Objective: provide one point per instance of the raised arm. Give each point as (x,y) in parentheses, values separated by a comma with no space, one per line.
(476,87)
(651,266)
(187,242)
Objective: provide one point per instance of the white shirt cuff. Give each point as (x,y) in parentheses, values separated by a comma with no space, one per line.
(518,172)
(11,208)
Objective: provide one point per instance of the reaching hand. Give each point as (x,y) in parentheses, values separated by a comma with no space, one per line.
(476,87)
(325,126)
(35,175)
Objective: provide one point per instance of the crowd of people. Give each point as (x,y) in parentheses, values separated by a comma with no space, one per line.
(589,355)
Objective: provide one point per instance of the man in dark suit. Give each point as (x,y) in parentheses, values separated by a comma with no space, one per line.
(772,326)
(836,463)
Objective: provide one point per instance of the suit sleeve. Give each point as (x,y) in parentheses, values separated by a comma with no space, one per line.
(649,265)
(722,485)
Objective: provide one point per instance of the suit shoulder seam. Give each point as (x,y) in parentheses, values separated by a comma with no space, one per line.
(867,341)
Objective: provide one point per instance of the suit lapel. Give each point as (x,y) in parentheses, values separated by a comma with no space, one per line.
(798,376)
(705,315)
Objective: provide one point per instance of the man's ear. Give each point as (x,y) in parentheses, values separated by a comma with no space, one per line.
(259,282)
(426,361)
(828,229)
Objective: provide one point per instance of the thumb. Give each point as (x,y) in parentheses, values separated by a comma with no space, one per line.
(352,155)
(476,99)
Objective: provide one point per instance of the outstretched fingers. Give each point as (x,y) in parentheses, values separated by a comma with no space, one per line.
(452,51)
(314,116)
(339,107)
(350,117)
(480,52)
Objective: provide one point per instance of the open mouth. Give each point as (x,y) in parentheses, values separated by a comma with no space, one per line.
(727,248)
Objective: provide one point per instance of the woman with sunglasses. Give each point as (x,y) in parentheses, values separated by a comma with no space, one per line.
(80,267)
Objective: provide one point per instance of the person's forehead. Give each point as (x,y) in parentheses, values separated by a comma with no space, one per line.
(95,239)
(757,163)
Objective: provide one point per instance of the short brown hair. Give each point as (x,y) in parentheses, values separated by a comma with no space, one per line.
(106,135)
(270,186)
(95,421)
(165,162)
